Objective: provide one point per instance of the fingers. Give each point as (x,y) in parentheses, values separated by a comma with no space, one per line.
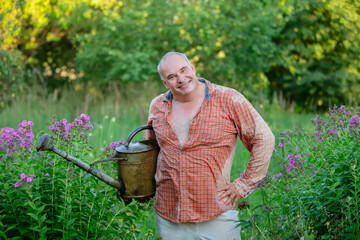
(224,188)
(229,192)
(224,191)
(236,200)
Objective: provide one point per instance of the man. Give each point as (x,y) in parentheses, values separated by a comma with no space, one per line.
(196,124)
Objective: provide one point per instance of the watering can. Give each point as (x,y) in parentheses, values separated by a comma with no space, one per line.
(136,165)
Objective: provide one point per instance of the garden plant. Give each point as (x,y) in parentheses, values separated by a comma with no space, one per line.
(316,192)
(44,197)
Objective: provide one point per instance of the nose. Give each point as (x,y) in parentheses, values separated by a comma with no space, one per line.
(181,77)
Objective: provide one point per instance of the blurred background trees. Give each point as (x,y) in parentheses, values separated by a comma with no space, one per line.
(305,52)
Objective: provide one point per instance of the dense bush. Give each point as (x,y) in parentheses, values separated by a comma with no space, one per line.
(316,194)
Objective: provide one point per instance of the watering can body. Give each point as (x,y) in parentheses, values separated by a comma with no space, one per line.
(137,171)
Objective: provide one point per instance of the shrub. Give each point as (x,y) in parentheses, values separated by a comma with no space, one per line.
(316,194)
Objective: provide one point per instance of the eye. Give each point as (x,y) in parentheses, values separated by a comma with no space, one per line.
(184,70)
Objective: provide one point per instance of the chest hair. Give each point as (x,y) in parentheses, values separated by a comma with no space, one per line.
(180,119)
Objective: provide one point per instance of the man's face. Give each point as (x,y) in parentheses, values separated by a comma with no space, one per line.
(178,75)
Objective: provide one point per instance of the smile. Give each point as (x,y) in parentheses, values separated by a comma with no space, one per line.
(184,84)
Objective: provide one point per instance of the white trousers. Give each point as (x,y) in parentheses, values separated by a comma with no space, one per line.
(222,227)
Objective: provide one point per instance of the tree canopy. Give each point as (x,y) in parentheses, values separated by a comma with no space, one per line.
(305,50)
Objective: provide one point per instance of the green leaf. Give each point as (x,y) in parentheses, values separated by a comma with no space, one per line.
(31,204)
(70,222)
(33,216)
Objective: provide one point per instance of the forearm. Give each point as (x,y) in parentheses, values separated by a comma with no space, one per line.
(257,167)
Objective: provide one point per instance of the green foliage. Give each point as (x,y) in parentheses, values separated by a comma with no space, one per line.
(306,50)
(316,193)
(319,47)
(12,76)
(43,196)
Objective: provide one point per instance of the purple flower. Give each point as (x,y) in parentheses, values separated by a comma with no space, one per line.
(22,176)
(50,162)
(297,156)
(349,112)
(113,144)
(291,162)
(23,124)
(280,144)
(29,179)
(51,128)
(274,177)
(279,175)
(290,156)
(333,130)
(46,174)
(354,122)
(289,168)
(318,134)
(17,184)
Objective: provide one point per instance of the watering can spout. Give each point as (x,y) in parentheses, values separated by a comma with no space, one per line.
(44,144)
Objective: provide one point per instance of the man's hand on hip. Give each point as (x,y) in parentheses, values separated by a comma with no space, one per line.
(230,194)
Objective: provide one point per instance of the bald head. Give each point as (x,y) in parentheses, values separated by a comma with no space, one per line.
(166,56)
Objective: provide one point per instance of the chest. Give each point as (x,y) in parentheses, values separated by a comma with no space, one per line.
(180,119)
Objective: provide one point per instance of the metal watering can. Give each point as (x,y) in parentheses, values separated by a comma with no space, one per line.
(136,165)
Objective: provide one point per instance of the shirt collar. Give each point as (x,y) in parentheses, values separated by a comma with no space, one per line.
(207,95)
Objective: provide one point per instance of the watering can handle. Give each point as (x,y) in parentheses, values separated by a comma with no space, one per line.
(133,133)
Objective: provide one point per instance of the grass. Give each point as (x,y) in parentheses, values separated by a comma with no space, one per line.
(112,124)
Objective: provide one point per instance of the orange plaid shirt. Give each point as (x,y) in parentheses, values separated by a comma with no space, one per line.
(187,178)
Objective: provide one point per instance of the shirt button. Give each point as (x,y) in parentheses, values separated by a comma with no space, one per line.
(182,170)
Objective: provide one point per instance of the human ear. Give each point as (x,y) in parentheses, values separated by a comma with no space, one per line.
(193,67)
(165,83)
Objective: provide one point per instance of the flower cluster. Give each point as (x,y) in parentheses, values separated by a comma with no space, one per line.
(16,141)
(341,120)
(66,132)
(295,162)
(342,123)
(109,150)
(353,124)
(24,180)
